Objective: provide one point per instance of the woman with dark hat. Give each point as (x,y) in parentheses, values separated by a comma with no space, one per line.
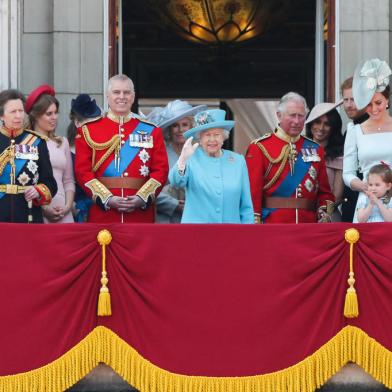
(84,110)
(369,143)
(26,177)
(324,126)
(42,107)
(175,119)
(216,181)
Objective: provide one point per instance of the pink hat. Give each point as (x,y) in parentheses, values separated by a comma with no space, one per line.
(320,109)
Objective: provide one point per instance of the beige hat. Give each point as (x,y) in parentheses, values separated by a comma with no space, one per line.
(320,109)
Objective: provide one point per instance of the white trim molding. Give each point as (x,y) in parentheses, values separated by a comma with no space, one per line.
(105,51)
(337,50)
(319,54)
(9,43)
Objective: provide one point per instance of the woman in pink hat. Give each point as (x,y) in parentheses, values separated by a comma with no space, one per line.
(42,108)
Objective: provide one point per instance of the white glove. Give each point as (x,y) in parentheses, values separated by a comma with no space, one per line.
(187,151)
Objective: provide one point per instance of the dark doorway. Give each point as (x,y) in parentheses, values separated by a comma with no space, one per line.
(165,65)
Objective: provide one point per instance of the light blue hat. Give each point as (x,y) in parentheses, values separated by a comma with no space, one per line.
(172,112)
(209,119)
(370,76)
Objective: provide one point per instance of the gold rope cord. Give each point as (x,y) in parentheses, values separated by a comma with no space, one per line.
(111,145)
(4,159)
(104,238)
(350,344)
(351,309)
(283,153)
(282,158)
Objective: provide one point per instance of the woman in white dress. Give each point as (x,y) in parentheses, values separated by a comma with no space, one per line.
(369,143)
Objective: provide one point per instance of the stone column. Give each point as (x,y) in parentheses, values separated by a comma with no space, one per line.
(62,44)
(364,32)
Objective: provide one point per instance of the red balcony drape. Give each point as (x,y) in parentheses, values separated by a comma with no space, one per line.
(215,301)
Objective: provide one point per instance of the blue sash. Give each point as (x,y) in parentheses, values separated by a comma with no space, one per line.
(19,164)
(127,153)
(289,184)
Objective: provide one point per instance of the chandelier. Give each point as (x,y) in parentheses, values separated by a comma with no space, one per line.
(221,21)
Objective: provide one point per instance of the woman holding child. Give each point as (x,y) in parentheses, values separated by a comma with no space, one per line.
(369,143)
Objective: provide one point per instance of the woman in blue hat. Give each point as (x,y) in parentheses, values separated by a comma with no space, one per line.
(175,119)
(216,181)
(369,143)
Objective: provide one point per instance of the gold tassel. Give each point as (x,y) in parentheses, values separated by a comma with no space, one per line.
(104,306)
(351,301)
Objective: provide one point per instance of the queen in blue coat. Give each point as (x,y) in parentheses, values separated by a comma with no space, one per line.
(216,181)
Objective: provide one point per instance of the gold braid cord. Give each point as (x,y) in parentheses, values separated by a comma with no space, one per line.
(282,159)
(111,145)
(4,159)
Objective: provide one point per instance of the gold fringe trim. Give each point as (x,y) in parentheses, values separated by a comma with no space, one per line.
(351,344)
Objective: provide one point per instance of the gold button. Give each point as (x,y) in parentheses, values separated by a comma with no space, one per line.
(122,135)
(121,129)
(122,141)
(125,174)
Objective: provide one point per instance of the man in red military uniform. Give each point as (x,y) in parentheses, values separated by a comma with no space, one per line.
(287,172)
(121,160)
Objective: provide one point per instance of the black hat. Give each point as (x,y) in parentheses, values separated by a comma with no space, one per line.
(85,107)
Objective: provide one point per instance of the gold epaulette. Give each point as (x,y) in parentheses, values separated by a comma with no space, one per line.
(308,138)
(148,190)
(124,119)
(90,120)
(265,136)
(147,121)
(43,137)
(111,145)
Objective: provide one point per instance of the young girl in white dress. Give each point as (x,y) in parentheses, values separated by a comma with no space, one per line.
(376,206)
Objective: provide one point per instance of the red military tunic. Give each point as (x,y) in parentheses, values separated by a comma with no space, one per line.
(103,149)
(268,160)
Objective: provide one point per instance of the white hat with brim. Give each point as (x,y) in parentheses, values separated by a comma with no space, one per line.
(174,111)
(370,76)
(210,119)
(320,109)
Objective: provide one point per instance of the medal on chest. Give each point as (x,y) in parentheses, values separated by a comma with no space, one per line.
(310,155)
(25,151)
(141,139)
